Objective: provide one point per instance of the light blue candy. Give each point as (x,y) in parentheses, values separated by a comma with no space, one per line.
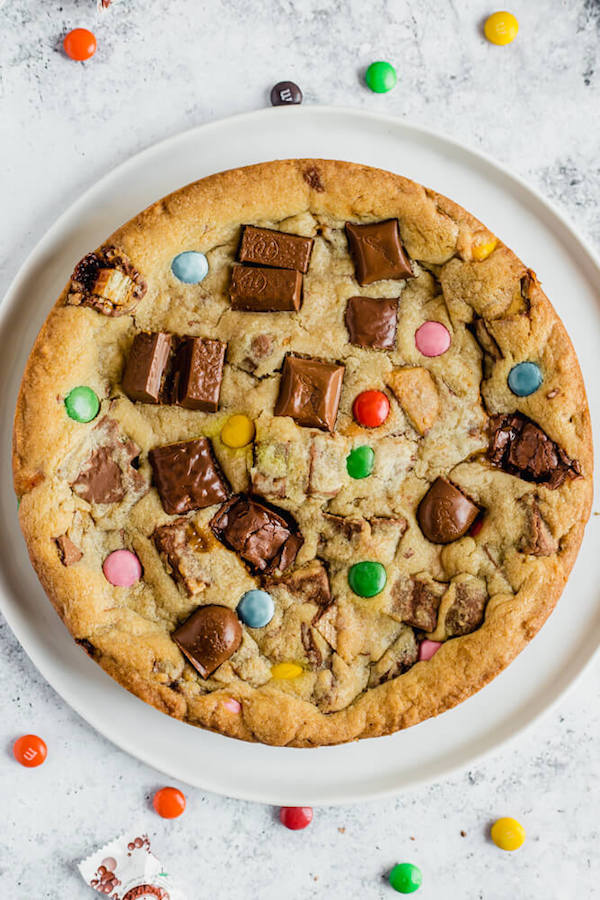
(256,609)
(524,379)
(190,267)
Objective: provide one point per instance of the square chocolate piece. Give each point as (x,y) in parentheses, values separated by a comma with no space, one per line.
(197,373)
(187,476)
(372,322)
(377,251)
(310,391)
(256,289)
(266,247)
(263,538)
(146,366)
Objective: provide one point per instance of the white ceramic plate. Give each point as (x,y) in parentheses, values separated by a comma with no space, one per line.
(371,768)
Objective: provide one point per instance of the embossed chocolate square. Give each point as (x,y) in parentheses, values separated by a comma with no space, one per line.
(266,247)
(146,366)
(310,392)
(372,322)
(377,251)
(187,476)
(256,289)
(198,372)
(264,539)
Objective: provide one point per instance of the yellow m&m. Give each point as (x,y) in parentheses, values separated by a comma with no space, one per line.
(286,670)
(238,431)
(482,249)
(507,833)
(501,28)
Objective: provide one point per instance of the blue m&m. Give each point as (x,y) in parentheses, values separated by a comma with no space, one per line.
(256,608)
(524,379)
(190,267)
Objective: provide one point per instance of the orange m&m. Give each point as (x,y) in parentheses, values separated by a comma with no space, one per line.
(371,408)
(30,750)
(79,44)
(169,802)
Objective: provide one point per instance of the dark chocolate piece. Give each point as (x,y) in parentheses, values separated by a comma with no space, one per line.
(146,367)
(377,251)
(445,513)
(266,247)
(109,473)
(209,637)
(371,322)
(265,290)
(187,476)
(310,392)
(520,447)
(263,538)
(108,282)
(285,93)
(68,552)
(198,373)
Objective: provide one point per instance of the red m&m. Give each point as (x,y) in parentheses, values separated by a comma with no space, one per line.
(79,44)
(295,817)
(371,408)
(169,802)
(30,750)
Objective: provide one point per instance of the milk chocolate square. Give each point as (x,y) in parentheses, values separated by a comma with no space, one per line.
(310,392)
(377,251)
(372,322)
(266,247)
(197,373)
(146,367)
(264,539)
(187,476)
(256,289)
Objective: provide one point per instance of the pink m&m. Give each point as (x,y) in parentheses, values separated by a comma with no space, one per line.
(432,338)
(232,705)
(122,568)
(428,649)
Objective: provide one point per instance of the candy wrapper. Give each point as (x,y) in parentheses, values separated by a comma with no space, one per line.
(125,869)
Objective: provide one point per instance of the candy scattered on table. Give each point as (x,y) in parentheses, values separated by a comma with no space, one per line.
(30,750)
(381,77)
(507,833)
(367,578)
(427,649)
(524,379)
(169,802)
(82,404)
(295,817)
(371,408)
(286,670)
(406,878)
(122,568)
(238,431)
(79,44)
(501,28)
(256,608)
(432,339)
(285,93)
(360,462)
(190,267)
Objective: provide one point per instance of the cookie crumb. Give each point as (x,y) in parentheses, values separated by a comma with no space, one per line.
(463,833)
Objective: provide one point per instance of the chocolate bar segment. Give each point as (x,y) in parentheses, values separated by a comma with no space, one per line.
(377,251)
(372,322)
(265,290)
(263,538)
(522,448)
(198,373)
(209,637)
(310,392)
(265,247)
(146,367)
(187,476)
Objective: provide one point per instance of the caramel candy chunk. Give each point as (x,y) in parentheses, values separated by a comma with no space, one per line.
(377,251)
(146,367)
(209,637)
(416,392)
(520,447)
(68,552)
(537,539)
(109,474)
(263,538)
(107,282)
(310,392)
(265,290)
(198,373)
(466,612)
(187,476)
(416,602)
(308,584)
(178,544)
(265,247)
(372,322)
(445,513)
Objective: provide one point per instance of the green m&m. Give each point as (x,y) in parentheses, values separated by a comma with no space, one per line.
(359,462)
(381,77)
(82,404)
(406,878)
(367,578)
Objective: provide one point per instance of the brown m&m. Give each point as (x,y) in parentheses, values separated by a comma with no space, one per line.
(256,289)
(310,392)
(187,476)
(209,637)
(445,513)
(263,538)
(267,247)
(377,251)
(372,322)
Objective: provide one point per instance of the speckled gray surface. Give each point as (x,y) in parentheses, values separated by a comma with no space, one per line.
(165,66)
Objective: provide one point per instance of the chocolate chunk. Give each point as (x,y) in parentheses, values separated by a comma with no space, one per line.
(266,247)
(310,391)
(263,538)
(445,513)
(309,642)
(537,539)
(285,93)
(312,177)
(68,552)
(520,447)
(179,544)
(209,637)
(416,602)
(265,290)
(467,610)
(198,373)
(377,251)
(146,366)
(371,322)
(187,476)
(308,584)
(109,473)
(396,660)
(106,281)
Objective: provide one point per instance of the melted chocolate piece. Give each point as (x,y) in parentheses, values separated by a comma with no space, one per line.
(106,281)
(467,611)
(416,604)
(182,545)
(308,584)
(187,476)
(209,637)
(68,552)
(146,367)
(310,391)
(445,513)
(371,322)
(520,447)
(265,290)
(263,538)
(109,473)
(265,247)
(198,373)
(312,177)
(377,251)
